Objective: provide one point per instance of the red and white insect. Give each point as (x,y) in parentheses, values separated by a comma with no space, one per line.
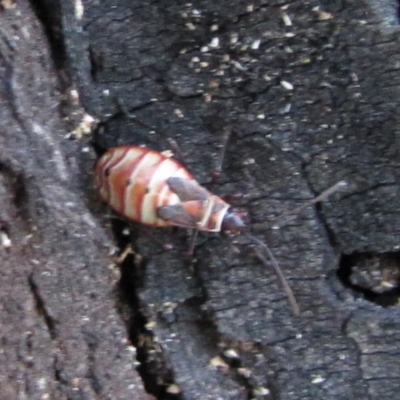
(151,188)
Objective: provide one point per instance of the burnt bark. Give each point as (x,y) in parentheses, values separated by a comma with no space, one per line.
(311,92)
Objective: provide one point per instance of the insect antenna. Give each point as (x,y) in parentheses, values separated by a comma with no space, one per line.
(338,186)
(277,269)
(218,168)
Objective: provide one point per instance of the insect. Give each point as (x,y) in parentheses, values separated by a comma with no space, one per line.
(149,187)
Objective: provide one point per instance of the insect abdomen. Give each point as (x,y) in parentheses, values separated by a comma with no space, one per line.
(132,180)
(148,187)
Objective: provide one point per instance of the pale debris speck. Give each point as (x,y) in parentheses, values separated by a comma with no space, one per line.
(239,66)
(305,60)
(5,240)
(317,379)
(204,49)
(246,372)
(231,353)
(214,28)
(234,38)
(261,116)
(256,44)
(250,8)
(76,382)
(287,108)
(204,64)
(286,20)
(287,85)
(167,153)
(79,10)
(85,127)
(207,97)
(261,391)
(41,383)
(25,33)
(214,84)
(218,362)
(190,26)
(195,59)
(324,15)
(289,34)
(249,161)
(106,92)
(214,43)
(8,4)
(74,96)
(178,113)
(354,77)
(151,325)
(173,389)
(131,349)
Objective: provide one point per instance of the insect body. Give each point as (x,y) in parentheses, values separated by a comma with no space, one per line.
(149,187)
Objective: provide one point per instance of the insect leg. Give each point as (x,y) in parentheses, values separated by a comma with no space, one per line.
(218,168)
(278,271)
(193,239)
(200,225)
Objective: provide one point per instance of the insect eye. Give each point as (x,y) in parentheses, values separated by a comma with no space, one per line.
(128,182)
(107,172)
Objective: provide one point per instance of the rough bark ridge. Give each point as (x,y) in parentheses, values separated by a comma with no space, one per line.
(310,89)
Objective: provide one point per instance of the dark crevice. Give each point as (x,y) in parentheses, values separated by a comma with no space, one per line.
(49,14)
(93,343)
(374,276)
(41,308)
(153,366)
(17,188)
(398,11)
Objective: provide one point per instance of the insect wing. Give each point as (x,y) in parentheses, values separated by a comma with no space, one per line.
(187,190)
(177,215)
